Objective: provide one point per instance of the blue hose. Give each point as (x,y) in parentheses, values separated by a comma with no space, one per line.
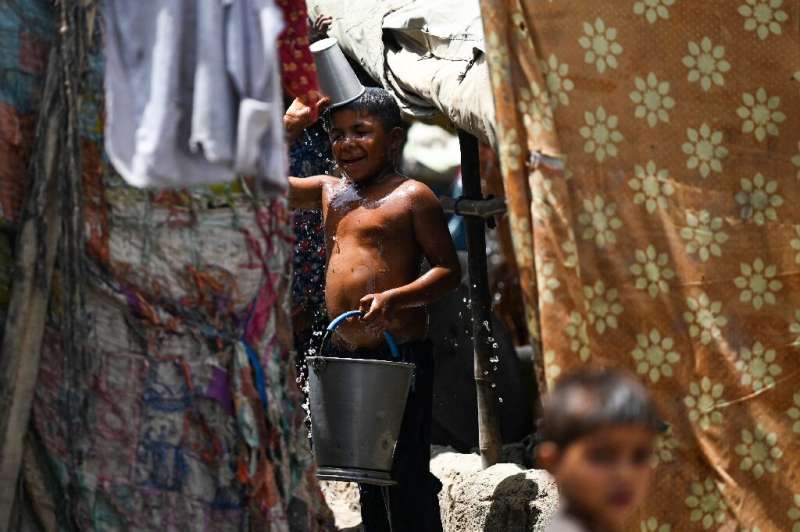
(349,314)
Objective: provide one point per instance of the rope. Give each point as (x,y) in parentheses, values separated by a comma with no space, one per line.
(72,47)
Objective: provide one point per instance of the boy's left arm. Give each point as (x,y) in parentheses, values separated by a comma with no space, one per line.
(433,236)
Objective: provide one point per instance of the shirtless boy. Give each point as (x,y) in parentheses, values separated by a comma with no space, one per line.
(379,225)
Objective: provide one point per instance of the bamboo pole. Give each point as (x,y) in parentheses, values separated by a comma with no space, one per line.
(47,199)
(34,479)
(37,240)
(490,441)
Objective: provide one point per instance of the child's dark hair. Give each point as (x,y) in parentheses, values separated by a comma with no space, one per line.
(587,400)
(375,102)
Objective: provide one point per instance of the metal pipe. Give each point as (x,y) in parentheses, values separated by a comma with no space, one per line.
(490,441)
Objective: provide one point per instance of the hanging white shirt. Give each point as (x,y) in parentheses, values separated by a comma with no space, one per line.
(193,92)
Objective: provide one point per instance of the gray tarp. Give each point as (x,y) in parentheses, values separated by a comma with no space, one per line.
(428,53)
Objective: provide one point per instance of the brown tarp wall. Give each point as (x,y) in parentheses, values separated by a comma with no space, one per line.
(662,233)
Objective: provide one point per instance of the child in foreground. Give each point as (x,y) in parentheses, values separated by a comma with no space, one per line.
(598,429)
(379,225)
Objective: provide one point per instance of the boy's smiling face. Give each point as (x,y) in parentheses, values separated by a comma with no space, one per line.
(362,147)
(603,475)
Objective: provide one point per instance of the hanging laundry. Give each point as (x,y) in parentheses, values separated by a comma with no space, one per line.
(298,70)
(193,92)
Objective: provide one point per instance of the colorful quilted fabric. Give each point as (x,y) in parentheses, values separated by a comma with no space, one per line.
(22,64)
(651,162)
(182,411)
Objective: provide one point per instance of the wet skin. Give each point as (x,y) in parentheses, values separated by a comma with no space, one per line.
(603,476)
(378,227)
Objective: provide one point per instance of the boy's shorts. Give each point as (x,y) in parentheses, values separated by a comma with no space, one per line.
(414,502)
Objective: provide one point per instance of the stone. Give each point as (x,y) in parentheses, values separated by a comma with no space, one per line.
(343,500)
(502,498)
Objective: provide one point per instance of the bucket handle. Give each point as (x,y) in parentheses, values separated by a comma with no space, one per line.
(349,314)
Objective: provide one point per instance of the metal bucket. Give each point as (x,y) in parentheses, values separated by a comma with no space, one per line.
(357,408)
(337,80)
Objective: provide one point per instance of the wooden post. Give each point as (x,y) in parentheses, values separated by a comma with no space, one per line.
(22,338)
(37,240)
(489,438)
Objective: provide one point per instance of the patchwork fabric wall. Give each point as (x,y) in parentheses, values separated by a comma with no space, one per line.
(182,411)
(657,229)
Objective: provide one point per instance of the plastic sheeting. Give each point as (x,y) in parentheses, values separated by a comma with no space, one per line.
(428,54)
(182,409)
(659,233)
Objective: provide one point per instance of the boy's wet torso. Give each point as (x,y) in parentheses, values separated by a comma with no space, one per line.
(371,247)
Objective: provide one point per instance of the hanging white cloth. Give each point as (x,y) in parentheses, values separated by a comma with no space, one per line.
(193,92)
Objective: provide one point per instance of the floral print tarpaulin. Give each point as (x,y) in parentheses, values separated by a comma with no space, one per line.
(651,160)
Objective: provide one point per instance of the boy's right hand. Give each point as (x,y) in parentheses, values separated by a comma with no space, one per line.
(301,114)
(376,310)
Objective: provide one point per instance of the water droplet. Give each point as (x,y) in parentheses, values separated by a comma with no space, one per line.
(494,359)
(494,385)
(485,372)
(495,345)
(499,399)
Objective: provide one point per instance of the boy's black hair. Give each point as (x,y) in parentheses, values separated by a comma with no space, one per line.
(587,400)
(375,102)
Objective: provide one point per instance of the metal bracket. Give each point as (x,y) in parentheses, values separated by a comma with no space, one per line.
(486,208)
(538,159)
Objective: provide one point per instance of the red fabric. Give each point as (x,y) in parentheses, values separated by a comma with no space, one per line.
(95,206)
(16,137)
(298,71)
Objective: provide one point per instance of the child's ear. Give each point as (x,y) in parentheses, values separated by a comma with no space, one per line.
(397,136)
(548,456)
